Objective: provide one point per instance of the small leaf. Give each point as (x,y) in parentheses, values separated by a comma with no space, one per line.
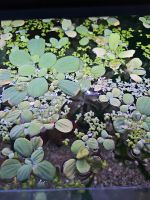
(26,70)
(115,102)
(70,88)
(34,128)
(84,41)
(4,77)
(45,170)
(114,40)
(23,147)
(12,115)
(134,63)
(47,60)
(17,23)
(77,145)
(16,132)
(98,71)
(83,166)
(143,105)
(69,168)
(92,143)
(13,96)
(136,78)
(64,125)
(9,168)
(85,84)
(37,156)
(127,54)
(67,64)
(128,99)
(71,34)
(36,142)
(82,153)
(66,24)
(26,116)
(82,30)
(103,98)
(37,87)
(109,144)
(36,46)
(116,92)
(20,58)
(63,41)
(100,52)
(24,172)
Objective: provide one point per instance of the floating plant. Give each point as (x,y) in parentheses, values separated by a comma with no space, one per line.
(75,99)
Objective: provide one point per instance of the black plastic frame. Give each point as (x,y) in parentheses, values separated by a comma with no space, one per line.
(29,9)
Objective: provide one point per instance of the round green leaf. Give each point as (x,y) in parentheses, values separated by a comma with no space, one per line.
(83,166)
(92,143)
(20,58)
(77,145)
(34,128)
(82,30)
(13,96)
(47,60)
(115,102)
(24,172)
(128,99)
(109,144)
(37,156)
(67,64)
(16,132)
(98,71)
(36,46)
(69,168)
(45,170)
(84,41)
(143,105)
(26,70)
(64,125)
(37,87)
(70,88)
(23,147)
(9,168)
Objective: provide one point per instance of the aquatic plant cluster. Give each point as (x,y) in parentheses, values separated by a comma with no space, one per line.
(79,81)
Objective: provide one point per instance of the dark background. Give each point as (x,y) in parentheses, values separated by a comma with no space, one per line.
(24,9)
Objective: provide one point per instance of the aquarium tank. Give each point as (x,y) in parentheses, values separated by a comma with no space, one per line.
(75,107)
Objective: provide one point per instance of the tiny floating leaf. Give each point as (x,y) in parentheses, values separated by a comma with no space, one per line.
(64,125)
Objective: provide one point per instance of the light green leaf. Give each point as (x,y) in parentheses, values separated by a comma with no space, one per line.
(47,60)
(77,145)
(37,87)
(23,147)
(13,96)
(126,54)
(98,71)
(83,166)
(9,168)
(36,46)
(45,170)
(20,58)
(64,125)
(69,168)
(70,88)
(114,40)
(26,70)
(67,64)
(37,156)
(84,41)
(17,131)
(24,172)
